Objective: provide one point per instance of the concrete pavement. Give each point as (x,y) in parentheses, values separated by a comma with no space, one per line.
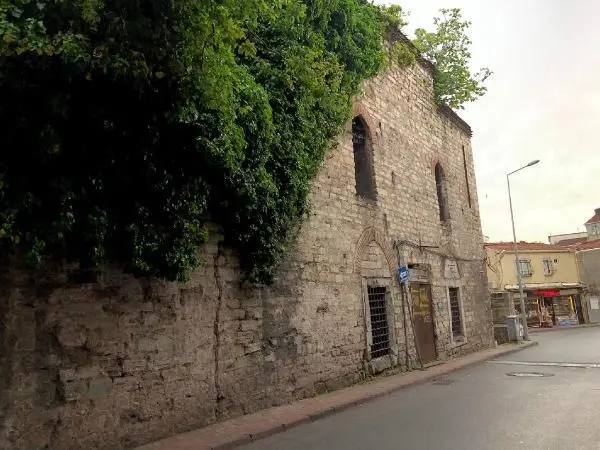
(573,327)
(479,407)
(240,431)
(571,345)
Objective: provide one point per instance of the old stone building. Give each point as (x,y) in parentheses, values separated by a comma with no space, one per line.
(113,361)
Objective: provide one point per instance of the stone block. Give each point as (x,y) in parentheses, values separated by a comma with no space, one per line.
(250,325)
(132,366)
(99,387)
(165,345)
(238,314)
(73,390)
(79,373)
(71,334)
(256,314)
(252,348)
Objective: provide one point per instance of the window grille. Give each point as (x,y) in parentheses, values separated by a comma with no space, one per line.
(548,267)
(442,193)
(455,313)
(379,321)
(525,268)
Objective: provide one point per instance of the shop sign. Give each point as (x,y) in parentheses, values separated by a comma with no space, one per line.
(548,293)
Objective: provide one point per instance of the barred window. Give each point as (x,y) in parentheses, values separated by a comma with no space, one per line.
(524,266)
(455,313)
(380,333)
(548,267)
(442,192)
(466,176)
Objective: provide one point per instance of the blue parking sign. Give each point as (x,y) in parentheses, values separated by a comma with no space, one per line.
(402,274)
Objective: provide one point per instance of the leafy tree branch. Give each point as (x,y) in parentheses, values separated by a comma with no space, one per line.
(448,49)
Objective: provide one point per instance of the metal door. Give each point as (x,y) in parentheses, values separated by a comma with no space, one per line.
(578,309)
(594,308)
(423,320)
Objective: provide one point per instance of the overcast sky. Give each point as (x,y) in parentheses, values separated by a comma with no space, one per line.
(543,102)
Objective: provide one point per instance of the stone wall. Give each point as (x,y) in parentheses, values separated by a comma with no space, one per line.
(107,361)
(589,269)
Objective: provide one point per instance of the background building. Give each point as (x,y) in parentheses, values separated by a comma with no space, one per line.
(593,226)
(587,249)
(551,281)
(588,261)
(568,239)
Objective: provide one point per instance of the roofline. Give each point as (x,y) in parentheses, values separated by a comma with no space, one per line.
(567,234)
(396,35)
(524,250)
(586,249)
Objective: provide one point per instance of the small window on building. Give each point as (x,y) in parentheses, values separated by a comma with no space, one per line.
(548,267)
(380,334)
(525,268)
(456,317)
(442,192)
(466,176)
(363,160)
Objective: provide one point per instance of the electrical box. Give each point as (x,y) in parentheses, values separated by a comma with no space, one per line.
(514,328)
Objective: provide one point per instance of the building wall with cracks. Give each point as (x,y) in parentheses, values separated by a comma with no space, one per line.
(110,361)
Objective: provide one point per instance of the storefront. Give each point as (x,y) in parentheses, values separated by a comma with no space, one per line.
(547,308)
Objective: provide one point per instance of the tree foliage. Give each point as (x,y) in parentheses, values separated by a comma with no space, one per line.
(448,49)
(127,125)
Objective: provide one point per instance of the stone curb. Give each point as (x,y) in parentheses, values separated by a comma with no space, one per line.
(236,433)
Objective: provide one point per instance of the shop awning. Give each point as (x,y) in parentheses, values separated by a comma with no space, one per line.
(543,286)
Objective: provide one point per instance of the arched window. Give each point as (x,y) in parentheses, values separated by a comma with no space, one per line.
(363,159)
(442,193)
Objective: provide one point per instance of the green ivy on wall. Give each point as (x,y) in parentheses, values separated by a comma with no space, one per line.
(128,124)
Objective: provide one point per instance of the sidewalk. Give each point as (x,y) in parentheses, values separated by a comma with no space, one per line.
(243,430)
(574,327)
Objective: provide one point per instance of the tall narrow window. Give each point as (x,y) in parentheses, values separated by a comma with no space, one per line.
(442,193)
(363,160)
(548,267)
(456,318)
(466,176)
(380,333)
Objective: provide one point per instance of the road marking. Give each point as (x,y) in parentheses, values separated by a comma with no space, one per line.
(548,364)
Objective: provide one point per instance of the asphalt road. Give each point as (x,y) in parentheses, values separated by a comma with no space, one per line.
(481,407)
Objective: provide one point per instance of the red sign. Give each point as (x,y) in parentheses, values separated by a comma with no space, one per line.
(548,293)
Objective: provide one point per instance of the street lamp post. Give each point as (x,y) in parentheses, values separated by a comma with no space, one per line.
(519,277)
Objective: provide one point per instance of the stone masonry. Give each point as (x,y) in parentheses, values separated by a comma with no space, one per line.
(107,361)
